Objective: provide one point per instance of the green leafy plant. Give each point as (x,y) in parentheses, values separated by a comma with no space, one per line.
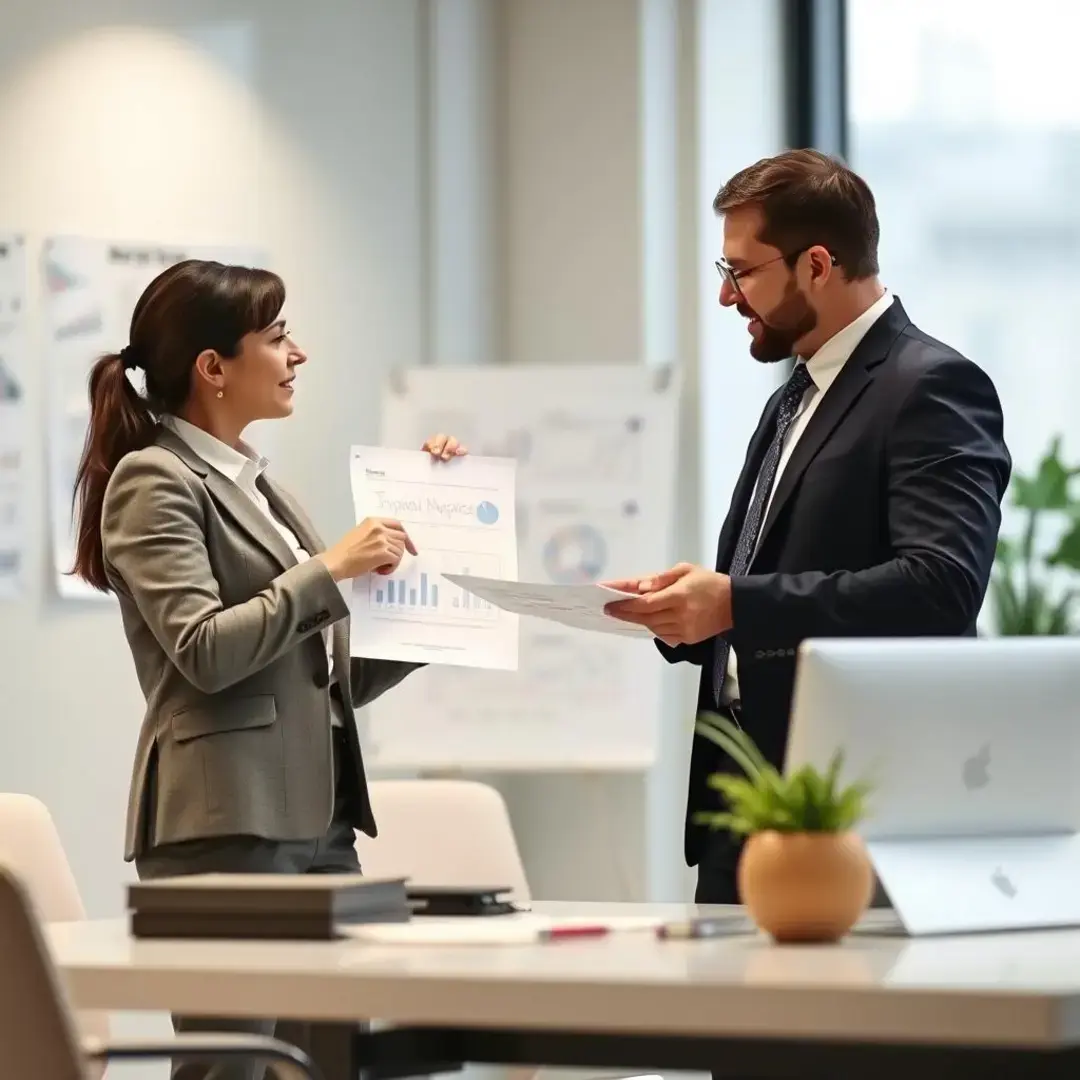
(762,799)
(1023,597)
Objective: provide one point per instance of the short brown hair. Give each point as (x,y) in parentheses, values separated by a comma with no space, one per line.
(807,198)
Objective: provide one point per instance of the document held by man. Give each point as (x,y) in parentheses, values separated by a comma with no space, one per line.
(580,606)
(459,515)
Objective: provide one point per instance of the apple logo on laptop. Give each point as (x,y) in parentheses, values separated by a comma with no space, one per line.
(1003,883)
(976,772)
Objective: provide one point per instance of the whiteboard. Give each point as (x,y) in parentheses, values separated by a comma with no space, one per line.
(89,288)
(596,453)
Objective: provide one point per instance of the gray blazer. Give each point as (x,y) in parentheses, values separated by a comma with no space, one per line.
(226,631)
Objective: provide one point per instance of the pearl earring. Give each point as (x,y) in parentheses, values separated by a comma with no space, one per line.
(221,393)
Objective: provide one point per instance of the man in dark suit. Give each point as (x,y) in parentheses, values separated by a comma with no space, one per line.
(869,501)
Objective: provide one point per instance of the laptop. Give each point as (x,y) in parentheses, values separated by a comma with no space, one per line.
(973,750)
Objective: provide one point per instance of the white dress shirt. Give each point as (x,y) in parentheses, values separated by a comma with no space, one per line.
(823,368)
(243,466)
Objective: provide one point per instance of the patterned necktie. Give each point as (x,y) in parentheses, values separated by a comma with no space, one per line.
(790,399)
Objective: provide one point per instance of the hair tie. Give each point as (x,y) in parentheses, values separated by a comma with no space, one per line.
(129,358)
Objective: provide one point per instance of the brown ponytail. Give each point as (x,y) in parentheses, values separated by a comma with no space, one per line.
(120,422)
(192,306)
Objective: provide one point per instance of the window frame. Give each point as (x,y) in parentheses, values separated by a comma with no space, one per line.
(815,58)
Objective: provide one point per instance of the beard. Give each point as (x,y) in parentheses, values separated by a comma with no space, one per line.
(792,319)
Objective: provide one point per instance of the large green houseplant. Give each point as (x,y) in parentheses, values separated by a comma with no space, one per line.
(803,875)
(1031,591)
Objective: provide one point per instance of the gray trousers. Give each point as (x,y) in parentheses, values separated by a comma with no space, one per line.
(333,853)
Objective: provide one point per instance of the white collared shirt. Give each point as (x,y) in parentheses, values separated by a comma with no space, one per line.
(243,466)
(823,367)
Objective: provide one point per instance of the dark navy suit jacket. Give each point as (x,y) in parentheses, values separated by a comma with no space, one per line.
(883,523)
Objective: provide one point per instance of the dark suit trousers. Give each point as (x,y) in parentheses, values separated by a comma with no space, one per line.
(716,883)
(330,854)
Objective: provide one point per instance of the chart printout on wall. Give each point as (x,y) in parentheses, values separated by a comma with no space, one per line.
(15,424)
(89,290)
(596,469)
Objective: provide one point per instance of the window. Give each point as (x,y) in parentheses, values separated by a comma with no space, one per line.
(967,127)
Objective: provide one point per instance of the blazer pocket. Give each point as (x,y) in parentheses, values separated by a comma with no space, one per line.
(240,714)
(227,764)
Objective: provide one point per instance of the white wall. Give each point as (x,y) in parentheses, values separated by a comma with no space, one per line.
(523,181)
(224,121)
(621,120)
(554,209)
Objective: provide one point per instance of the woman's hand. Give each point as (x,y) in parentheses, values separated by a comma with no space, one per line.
(376,545)
(444,447)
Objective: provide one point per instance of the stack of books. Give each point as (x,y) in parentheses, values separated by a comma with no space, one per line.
(267,906)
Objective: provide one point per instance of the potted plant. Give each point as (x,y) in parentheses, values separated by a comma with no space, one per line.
(803,875)
(1030,589)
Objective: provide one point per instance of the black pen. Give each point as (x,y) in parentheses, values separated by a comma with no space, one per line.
(700,928)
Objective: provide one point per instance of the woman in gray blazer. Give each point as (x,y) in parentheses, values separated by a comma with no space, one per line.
(248,758)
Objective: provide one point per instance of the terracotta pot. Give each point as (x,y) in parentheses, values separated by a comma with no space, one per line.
(805,887)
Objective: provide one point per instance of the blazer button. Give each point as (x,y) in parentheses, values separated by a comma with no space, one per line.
(304,627)
(320,680)
(322,616)
(759,654)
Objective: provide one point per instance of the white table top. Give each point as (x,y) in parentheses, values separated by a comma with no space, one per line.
(1017,989)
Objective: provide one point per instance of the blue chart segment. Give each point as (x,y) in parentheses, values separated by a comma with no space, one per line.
(487,513)
(399,593)
(421,593)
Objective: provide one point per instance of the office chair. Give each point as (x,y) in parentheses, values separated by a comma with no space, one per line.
(38,1038)
(443,832)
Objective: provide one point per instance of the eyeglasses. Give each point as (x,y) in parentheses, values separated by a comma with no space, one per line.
(733,276)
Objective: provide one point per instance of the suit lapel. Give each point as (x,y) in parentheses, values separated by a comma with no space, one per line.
(848,386)
(238,506)
(291,514)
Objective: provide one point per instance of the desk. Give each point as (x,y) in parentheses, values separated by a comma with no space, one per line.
(877,1006)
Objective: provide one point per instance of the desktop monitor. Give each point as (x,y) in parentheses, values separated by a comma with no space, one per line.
(973,750)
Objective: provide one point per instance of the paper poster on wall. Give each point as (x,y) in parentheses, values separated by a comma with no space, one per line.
(595,449)
(89,289)
(14,424)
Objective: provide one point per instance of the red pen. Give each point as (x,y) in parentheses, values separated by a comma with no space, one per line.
(567,933)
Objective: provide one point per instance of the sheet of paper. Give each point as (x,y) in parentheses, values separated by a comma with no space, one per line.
(460,515)
(522,929)
(14,420)
(580,606)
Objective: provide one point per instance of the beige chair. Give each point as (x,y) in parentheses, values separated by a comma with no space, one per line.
(443,832)
(38,1037)
(450,832)
(30,846)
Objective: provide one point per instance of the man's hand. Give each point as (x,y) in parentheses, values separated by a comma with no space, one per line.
(681,606)
(651,583)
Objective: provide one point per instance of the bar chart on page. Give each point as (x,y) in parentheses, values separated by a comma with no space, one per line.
(419,591)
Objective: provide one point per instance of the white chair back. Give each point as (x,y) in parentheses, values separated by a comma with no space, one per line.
(30,846)
(443,832)
(37,1036)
